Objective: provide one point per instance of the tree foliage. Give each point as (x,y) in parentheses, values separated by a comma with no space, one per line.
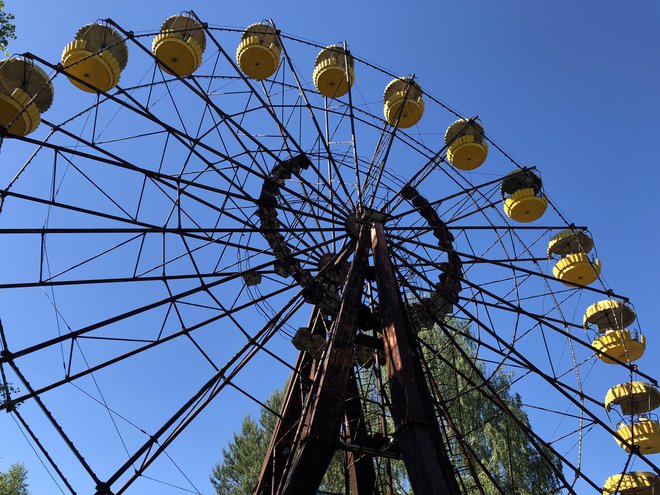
(494,436)
(238,471)
(14,481)
(7,27)
(6,391)
(516,464)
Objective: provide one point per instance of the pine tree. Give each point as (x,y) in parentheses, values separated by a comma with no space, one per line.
(238,472)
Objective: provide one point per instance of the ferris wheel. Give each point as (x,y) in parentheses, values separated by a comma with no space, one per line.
(231,206)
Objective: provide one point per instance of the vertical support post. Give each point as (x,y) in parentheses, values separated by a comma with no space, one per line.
(417,431)
(324,410)
(360,466)
(281,442)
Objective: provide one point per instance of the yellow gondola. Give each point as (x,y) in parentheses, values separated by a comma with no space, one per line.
(333,71)
(25,93)
(574,266)
(180,45)
(612,318)
(404,105)
(258,54)
(635,483)
(633,398)
(97,55)
(621,345)
(523,198)
(644,433)
(609,314)
(469,148)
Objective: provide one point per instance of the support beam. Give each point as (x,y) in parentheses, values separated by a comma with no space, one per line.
(281,442)
(360,465)
(318,438)
(417,431)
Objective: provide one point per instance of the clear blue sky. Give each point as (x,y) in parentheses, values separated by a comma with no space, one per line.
(569,86)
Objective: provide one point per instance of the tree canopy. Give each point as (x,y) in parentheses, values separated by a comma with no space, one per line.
(495,437)
(14,481)
(7,27)
(238,471)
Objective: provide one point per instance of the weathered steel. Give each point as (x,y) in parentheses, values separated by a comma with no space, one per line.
(281,442)
(318,438)
(417,430)
(360,465)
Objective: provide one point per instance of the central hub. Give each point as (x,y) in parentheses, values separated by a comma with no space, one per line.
(363,216)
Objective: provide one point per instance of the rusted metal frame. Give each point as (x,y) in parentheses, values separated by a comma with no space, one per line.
(282,438)
(153,228)
(269,107)
(166,180)
(494,397)
(154,446)
(154,176)
(383,162)
(43,450)
(182,137)
(146,347)
(368,121)
(361,470)
(544,320)
(160,230)
(438,155)
(27,163)
(417,430)
(513,360)
(529,433)
(198,91)
(463,191)
(65,438)
(561,387)
(469,454)
(283,134)
(392,136)
(151,278)
(142,309)
(194,406)
(541,319)
(382,413)
(119,162)
(527,271)
(513,227)
(11,406)
(351,114)
(325,143)
(318,438)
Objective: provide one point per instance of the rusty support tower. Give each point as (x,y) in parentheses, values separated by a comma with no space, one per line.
(323,395)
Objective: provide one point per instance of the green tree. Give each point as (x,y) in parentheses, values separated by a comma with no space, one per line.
(7,27)
(238,471)
(6,391)
(496,439)
(14,481)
